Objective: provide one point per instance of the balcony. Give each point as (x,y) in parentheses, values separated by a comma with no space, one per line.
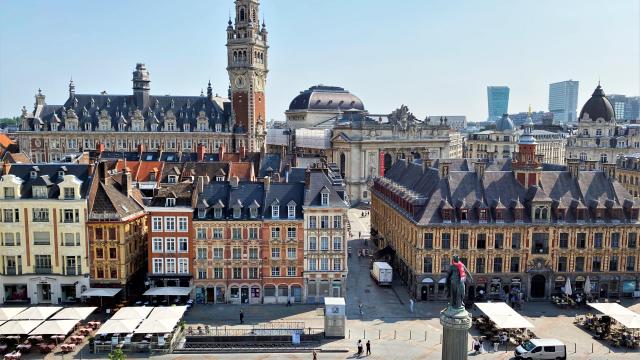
(43,270)
(73,270)
(13,270)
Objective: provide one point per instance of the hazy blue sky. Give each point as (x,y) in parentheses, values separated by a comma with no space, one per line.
(437,57)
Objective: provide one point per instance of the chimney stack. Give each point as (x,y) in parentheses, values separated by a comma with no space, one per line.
(307,178)
(243,153)
(234,181)
(6,166)
(100,148)
(443,169)
(221,150)
(202,150)
(609,171)
(102,170)
(126,182)
(479,167)
(140,148)
(267,183)
(574,167)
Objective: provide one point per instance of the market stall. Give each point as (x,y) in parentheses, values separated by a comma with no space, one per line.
(617,324)
(502,324)
(37,313)
(74,313)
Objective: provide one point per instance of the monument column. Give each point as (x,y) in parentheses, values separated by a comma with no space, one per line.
(455,338)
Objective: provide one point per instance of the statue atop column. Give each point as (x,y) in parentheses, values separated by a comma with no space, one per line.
(456,278)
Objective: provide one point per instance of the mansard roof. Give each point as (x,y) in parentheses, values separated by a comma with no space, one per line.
(52,175)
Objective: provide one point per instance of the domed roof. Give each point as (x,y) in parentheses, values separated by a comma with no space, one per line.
(597,107)
(504,123)
(325,98)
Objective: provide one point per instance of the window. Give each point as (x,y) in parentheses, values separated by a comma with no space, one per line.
(217,213)
(202,274)
(253,273)
(236,233)
(562,263)
(275,233)
(9,240)
(427,265)
(446,240)
(515,241)
(201,234)
(428,240)
(172,179)
(236,253)
(481,241)
(170,265)
(291,253)
(312,264)
(480,265)
(157,243)
(11,215)
(497,265)
(324,243)
(615,240)
(218,253)
(183,245)
(69,193)
(183,266)
(218,273)
(325,199)
(337,222)
(40,192)
(170,202)
(498,242)
(9,193)
(291,212)
(41,238)
(275,271)
(324,222)
(312,222)
(70,215)
(337,243)
(182,223)
(291,233)
(324,264)
(113,253)
(581,240)
(253,233)
(253,212)
(169,223)
(337,264)
(632,240)
(596,263)
(564,240)
(253,253)
(313,244)
(217,233)
(40,215)
(464,241)
(597,240)
(202,253)
(579,263)
(291,271)
(156,223)
(515,264)
(275,211)
(158,266)
(237,212)
(275,253)
(613,263)
(631,263)
(170,244)
(99,253)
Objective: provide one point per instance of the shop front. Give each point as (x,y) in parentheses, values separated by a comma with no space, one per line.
(427,289)
(558,285)
(630,287)
(495,289)
(42,289)
(15,293)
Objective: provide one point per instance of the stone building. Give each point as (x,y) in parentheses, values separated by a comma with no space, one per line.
(628,172)
(173,123)
(116,229)
(515,223)
(599,137)
(502,142)
(43,243)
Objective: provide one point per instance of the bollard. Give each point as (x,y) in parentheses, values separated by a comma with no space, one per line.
(409,334)
(440,339)
(575,348)
(364,333)
(394,334)
(592,348)
(349,333)
(425,336)
(378,334)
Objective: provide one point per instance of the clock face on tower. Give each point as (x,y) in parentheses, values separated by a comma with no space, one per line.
(240,81)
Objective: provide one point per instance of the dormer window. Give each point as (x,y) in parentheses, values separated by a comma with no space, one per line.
(218,127)
(483,214)
(187,128)
(324,200)
(237,212)
(152,176)
(291,211)
(9,193)
(69,193)
(599,214)
(560,214)
(275,211)
(154,127)
(446,215)
(172,179)
(219,178)
(87,127)
(253,213)
(217,213)
(33,174)
(60,173)
(464,214)
(201,213)
(121,127)
(499,215)
(170,202)
(518,214)
(40,192)
(541,213)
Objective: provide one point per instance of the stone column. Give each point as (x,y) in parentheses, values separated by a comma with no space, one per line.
(456,324)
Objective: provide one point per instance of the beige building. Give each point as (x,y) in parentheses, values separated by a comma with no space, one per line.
(44,250)
(628,172)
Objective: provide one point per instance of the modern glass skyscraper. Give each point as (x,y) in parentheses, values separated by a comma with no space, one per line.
(498,101)
(625,107)
(563,100)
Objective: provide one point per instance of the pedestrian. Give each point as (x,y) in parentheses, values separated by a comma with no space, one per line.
(476,346)
(359,348)
(360,308)
(411,305)
(359,234)
(241,316)
(368,347)
(315,355)
(288,301)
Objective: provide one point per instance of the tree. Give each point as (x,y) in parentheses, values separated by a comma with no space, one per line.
(117,354)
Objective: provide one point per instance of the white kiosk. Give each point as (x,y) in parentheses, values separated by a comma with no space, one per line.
(334,317)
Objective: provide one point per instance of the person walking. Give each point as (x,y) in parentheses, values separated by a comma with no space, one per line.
(411,305)
(315,355)
(241,316)
(476,346)
(359,348)
(360,308)
(368,347)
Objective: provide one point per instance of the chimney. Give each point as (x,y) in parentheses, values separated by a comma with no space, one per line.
(140,149)
(574,167)
(221,150)
(443,169)
(479,167)
(6,166)
(609,171)
(234,182)
(100,148)
(307,178)
(202,150)
(243,153)
(591,164)
(126,182)
(92,167)
(102,170)
(267,183)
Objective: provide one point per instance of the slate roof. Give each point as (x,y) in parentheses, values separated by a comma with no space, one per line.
(49,175)
(182,192)
(271,164)
(463,189)
(322,97)
(598,107)
(108,199)
(319,183)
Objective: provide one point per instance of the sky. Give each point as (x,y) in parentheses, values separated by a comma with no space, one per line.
(436,57)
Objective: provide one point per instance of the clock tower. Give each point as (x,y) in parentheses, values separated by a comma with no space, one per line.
(247,68)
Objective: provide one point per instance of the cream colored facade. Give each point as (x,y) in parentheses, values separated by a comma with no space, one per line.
(44,251)
(491,144)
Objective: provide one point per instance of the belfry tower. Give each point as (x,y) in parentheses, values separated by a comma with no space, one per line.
(247,68)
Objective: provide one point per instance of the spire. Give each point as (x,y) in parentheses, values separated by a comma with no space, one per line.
(209,90)
(72,88)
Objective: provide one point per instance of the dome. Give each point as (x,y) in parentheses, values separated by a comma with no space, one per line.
(504,124)
(597,107)
(325,98)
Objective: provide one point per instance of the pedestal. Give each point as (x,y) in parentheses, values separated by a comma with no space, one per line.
(456,324)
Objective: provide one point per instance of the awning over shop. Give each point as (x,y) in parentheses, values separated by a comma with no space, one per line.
(442,281)
(101,292)
(169,291)
(37,313)
(157,326)
(132,312)
(55,327)
(621,314)
(119,326)
(7,313)
(427,280)
(74,313)
(19,327)
(169,312)
(504,316)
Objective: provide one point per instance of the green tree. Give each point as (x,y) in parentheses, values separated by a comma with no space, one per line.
(117,354)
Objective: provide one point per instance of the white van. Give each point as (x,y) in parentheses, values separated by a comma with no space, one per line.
(542,349)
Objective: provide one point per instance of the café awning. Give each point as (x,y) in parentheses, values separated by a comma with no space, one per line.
(19,327)
(8,313)
(132,312)
(55,327)
(169,291)
(37,313)
(504,316)
(157,326)
(74,313)
(427,280)
(101,292)
(118,326)
(621,314)
(168,312)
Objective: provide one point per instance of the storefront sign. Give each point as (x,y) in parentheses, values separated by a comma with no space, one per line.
(481,280)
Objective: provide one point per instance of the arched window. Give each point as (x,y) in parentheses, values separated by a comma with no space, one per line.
(242,14)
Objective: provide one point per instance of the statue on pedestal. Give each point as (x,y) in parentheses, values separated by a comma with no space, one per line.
(456,278)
